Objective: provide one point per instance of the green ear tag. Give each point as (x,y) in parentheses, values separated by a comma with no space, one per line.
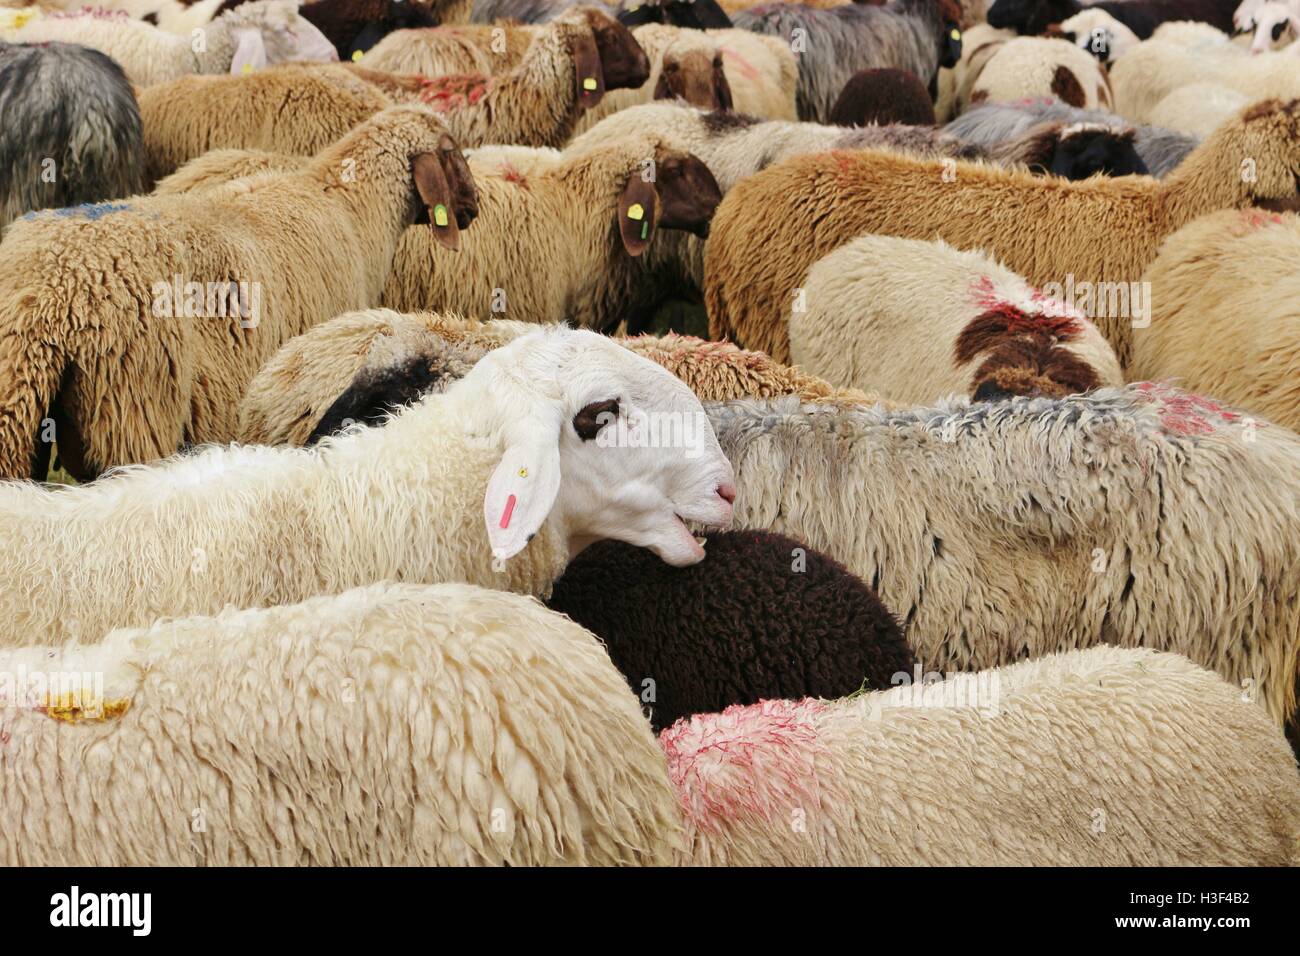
(636,211)
(589,84)
(440,214)
(645,229)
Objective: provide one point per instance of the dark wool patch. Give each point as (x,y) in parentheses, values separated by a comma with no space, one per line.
(883,96)
(1067,88)
(719,122)
(741,626)
(371,398)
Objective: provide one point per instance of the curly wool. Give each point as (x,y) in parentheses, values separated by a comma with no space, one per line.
(883,96)
(1043,228)
(73,107)
(762,616)
(338,364)
(1037,66)
(1228,277)
(391,725)
(993,123)
(76,288)
(1016,766)
(1010,529)
(910,319)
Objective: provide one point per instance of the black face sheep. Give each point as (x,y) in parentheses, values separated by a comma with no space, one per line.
(833,44)
(1074,151)
(354,26)
(136,325)
(1033,17)
(762,616)
(989,124)
(883,96)
(71,131)
(690,14)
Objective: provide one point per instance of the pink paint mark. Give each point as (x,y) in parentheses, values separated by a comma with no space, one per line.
(512,175)
(1185,413)
(755,760)
(743,65)
(510,509)
(1055,318)
(444,94)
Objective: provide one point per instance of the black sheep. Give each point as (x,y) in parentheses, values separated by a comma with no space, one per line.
(1033,17)
(354,26)
(762,617)
(883,96)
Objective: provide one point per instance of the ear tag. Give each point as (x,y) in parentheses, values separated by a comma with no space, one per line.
(510,510)
(955,34)
(645,229)
(356,56)
(499,565)
(636,211)
(440,218)
(523,472)
(589,84)
(248,68)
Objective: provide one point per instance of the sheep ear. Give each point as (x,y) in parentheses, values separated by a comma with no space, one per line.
(250,54)
(521,493)
(636,213)
(431,182)
(591,75)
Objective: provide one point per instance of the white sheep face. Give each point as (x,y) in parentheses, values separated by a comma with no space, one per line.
(605,443)
(270,33)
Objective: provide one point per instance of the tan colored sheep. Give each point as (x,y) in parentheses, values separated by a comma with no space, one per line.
(138,324)
(771,227)
(1225,316)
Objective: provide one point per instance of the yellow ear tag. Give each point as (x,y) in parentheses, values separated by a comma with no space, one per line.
(248,68)
(636,211)
(356,56)
(440,215)
(589,84)
(523,472)
(955,34)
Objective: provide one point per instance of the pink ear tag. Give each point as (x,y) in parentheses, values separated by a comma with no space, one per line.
(510,509)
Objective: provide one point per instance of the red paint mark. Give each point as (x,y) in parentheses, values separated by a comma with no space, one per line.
(99,13)
(512,175)
(510,509)
(1054,320)
(444,94)
(743,65)
(755,760)
(1185,413)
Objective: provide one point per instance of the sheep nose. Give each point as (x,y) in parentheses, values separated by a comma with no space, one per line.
(727,492)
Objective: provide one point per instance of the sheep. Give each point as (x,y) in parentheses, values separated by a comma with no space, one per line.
(997,530)
(497,481)
(883,97)
(394,724)
(762,616)
(914,35)
(1161,150)
(953,86)
(1198,109)
(354,26)
(1154,70)
(1097,32)
(72,129)
(1073,150)
(362,365)
(917,321)
(1101,757)
(1142,17)
(1206,287)
(136,325)
(1048,230)
(1275,25)
(1033,66)
(242,39)
(174,16)
(220,166)
(565,241)
(690,14)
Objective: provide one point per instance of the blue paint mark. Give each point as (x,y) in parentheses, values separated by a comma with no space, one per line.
(91,211)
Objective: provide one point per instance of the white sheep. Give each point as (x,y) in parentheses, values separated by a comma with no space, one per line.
(918,321)
(1099,757)
(1095,31)
(242,39)
(395,724)
(1037,66)
(560,438)
(997,530)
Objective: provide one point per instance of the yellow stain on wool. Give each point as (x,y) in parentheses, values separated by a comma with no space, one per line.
(636,211)
(68,708)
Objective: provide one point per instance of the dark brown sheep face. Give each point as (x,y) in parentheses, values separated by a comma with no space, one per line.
(589,73)
(682,194)
(447,191)
(696,79)
(624,63)
(950,48)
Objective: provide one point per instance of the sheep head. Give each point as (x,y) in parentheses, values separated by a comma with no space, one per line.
(676,191)
(1030,17)
(601,442)
(696,76)
(622,59)
(267,32)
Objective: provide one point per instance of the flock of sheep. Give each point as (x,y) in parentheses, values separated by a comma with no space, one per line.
(379,380)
